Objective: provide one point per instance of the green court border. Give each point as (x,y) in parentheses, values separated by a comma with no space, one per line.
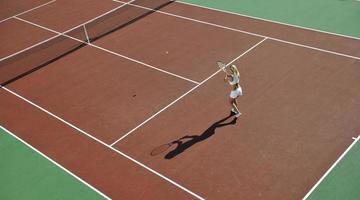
(198,3)
(54,167)
(332,170)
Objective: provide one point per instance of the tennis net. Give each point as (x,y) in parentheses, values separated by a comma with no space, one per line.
(25,62)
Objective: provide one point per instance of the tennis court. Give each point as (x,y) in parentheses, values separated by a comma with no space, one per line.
(90,89)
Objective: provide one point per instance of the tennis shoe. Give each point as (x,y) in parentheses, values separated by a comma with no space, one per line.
(238,114)
(233,110)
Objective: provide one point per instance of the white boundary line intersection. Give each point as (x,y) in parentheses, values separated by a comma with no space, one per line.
(50,2)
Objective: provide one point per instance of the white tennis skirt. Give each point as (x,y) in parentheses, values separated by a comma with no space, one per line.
(236,93)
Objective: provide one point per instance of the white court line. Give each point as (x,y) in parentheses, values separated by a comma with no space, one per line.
(28,10)
(109,51)
(147,65)
(27,48)
(182,96)
(103,143)
(267,20)
(331,168)
(55,163)
(192,89)
(246,32)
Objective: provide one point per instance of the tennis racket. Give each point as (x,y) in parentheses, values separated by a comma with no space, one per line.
(160,149)
(221,65)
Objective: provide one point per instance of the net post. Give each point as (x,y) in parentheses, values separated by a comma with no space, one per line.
(86,34)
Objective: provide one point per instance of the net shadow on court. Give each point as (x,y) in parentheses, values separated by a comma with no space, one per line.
(24,63)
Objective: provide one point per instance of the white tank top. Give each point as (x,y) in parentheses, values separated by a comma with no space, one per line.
(235,80)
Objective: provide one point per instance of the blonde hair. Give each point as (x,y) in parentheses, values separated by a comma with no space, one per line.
(234,70)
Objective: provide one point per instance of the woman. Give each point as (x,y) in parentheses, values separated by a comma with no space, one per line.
(234,78)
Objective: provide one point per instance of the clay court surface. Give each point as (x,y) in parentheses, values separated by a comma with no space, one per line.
(100,110)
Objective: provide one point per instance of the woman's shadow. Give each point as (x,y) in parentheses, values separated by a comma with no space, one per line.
(183,145)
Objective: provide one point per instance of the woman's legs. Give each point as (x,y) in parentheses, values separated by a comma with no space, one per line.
(233,104)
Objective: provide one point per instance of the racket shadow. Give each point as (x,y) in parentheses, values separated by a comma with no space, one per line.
(188,141)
